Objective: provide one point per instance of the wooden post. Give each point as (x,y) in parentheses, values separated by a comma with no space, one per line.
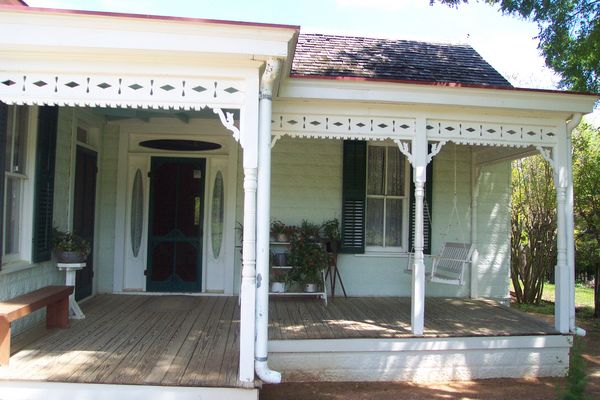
(475,174)
(562,302)
(4,341)
(249,142)
(419,152)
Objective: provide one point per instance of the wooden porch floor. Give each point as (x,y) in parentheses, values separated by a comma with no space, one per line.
(149,340)
(194,341)
(389,317)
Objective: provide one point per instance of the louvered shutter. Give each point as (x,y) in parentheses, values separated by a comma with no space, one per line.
(44,183)
(427,211)
(3,134)
(353,196)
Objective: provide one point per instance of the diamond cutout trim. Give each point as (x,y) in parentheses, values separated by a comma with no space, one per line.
(360,125)
(72,84)
(231,90)
(167,88)
(103,85)
(135,86)
(315,123)
(382,125)
(40,83)
(8,82)
(338,123)
(199,89)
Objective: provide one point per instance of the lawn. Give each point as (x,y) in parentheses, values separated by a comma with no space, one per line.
(584,296)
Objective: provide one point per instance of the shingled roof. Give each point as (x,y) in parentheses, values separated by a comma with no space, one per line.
(402,60)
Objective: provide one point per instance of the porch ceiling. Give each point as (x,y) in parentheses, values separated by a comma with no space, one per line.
(117,114)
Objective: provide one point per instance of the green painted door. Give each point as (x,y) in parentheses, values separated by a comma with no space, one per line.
(175,226)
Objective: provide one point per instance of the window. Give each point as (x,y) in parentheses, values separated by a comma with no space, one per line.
(377,199)
(15,181)
(387,202)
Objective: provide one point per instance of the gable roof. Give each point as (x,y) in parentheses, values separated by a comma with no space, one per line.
(319,55)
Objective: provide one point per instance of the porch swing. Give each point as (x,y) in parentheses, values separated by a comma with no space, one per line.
(448,267)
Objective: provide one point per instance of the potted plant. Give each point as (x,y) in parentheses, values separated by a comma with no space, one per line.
(70,248)
(278,280)
(332,235)
(279,231)
(310,231)
(308,260)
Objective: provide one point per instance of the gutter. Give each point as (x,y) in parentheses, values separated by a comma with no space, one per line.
(263,211)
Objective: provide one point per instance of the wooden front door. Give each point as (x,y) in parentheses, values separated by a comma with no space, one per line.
(176,223)
(84,210)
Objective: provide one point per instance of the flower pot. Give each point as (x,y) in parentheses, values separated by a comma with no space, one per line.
(278,287)
(70,257)
(282,237)
(310,288)
(280,259)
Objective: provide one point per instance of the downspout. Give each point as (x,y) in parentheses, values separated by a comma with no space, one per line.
(262,224)
(571,124)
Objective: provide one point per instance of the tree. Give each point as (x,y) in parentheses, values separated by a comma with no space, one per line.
(586,180)
(533,228)
(569,34)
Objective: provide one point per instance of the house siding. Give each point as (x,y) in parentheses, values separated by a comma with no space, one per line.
(35,276)
(306,184)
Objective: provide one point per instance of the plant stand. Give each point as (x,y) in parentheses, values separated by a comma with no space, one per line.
(70,272)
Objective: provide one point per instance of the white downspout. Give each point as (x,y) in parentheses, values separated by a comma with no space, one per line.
(575,120)
(263,224)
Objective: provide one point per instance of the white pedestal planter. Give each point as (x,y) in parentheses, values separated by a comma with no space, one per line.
(71,270)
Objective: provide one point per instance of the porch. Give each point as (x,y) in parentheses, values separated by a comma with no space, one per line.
(193,341)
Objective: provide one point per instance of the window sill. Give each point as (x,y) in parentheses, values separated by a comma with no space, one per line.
(16,266)
(383,254)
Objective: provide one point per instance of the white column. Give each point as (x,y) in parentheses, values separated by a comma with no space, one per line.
(419,152)
(249,143)
(475,173)
(247,289)
(562,302)
(263,224)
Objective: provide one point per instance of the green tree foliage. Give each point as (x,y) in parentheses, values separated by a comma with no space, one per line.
(569,34)
(533,228)
(586,179)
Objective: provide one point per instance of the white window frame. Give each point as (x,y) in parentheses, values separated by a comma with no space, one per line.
(405,204)
(23,255)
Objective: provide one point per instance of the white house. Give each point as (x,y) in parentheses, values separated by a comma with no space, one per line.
(157,137)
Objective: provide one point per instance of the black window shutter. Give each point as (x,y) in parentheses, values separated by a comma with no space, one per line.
(353,196)
(44,183)
(3,134)
(428,210)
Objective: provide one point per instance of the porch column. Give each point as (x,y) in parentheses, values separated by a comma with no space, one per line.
(562,302)
(249,143)
(419,152)
(475,173)
(572,124)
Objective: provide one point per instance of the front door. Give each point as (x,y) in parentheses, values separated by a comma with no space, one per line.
(175,227)
(84,210)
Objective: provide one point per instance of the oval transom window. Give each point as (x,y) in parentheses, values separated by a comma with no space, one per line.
(180,145)
(217,214)
(137,213)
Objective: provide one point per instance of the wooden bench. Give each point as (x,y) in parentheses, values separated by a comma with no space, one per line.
(54,298)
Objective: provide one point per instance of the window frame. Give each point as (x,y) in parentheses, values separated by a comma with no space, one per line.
(405,202)
(25,213)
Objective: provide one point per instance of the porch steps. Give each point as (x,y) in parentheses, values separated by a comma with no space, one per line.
(19,390)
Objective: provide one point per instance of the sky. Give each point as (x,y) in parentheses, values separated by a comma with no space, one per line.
(508,43)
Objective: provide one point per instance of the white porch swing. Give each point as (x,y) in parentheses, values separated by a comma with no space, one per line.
(448,266)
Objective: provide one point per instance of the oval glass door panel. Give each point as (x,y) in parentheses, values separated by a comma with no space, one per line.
(137,213)
(217,214)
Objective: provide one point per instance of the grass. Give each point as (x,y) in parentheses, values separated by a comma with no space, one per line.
(584,302)
(584,296)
